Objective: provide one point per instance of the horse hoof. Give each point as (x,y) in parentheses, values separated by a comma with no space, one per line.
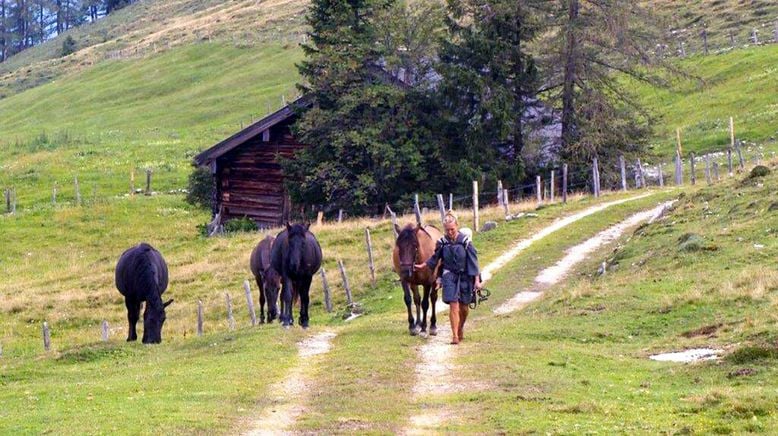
(413,332)
(433,332)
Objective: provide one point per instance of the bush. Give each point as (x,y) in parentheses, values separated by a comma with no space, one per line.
(200,188)
(759,171)
(69,46)
(244,224)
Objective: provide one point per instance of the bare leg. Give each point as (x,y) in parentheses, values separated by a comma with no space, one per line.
(453,316)
(464,310)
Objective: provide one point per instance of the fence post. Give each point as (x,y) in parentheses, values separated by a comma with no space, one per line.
(250,302)
(46,336)
(539,190)
(340,215)
(623,168)
(551,187)
(230,318)
(346,286)
(475,205)
(450,201)
(775,34)
(104,331)
(394,220)
(8,200)
(731,144)
(442,208)
(78,192)
(54,194)
(369,243)
(326,287)
(148,181)
(691,165)
(564,183)
(199,318)
(661,176)
(505,201)
(705,40)
(416,209)
(755,36)
(499,193)
(132,181)
(319,218)
(716,171)
(678,168)
(641,175)
(731,39)
(595,178)
(707,169)
(740,155)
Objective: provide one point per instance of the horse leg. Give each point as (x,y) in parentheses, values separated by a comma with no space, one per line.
(407,297)
(425,305)
(260,282)
(133,314)
(417,301)
(433,318)
(286,309)
(303,292)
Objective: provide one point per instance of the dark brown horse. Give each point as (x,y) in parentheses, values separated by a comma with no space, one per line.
(415,245)
(268,279)
(296,255)
(141,275)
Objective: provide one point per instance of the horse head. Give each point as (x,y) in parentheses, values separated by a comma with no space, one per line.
(153,319)
(296,239)
(408,248)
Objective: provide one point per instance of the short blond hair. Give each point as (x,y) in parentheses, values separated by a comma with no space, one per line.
(450,218)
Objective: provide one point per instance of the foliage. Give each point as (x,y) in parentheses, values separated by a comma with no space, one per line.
(759,171)
(69,46)
(200,188)
(487,76)
(238,225)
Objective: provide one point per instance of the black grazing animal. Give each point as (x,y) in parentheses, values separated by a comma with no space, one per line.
(268,279)
(141,275)
(296,255)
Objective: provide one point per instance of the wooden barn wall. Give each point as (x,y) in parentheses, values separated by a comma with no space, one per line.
(250,181)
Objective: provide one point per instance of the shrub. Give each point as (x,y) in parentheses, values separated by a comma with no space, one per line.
(69,46)
(244,224)
(200,188)
(759,171)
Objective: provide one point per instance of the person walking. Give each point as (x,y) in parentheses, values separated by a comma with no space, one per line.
(459,273)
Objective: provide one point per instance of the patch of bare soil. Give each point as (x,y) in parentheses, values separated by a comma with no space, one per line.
(288,395)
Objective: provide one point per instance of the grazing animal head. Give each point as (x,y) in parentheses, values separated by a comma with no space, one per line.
(153,318)
(296,238)
(408,248)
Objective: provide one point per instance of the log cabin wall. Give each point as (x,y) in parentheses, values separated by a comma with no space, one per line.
(250,182)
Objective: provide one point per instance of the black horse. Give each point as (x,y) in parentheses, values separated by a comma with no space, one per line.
(296,255)
(268,279)
(141,275)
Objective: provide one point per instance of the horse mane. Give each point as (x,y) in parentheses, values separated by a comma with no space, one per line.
(407,235)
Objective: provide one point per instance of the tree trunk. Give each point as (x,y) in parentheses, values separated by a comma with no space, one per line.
(568,91)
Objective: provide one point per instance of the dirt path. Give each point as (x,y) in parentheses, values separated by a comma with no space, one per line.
(435,368)
(288,395)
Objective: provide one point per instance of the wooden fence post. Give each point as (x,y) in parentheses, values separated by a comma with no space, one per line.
(319,218)
(416,209)
(539,190)
(691,165)
(475,205)
(442,208)
(104,331)
(450,201)
(340,215)
(148,181)
(326,287)
(595,178)
(505,201)
(132,181)
(346,286)
(641,175)
(678,168)
(78,192)
(551,187)
(250,302)
(499,193)
(731,144)
(369,243)
(623,168)
(705,40)
(199,318)
(661,176)
(716,171)
(46,336)
(564,183)
(8,200)
(707,170)
(54,194)
(230,318)
(740,155)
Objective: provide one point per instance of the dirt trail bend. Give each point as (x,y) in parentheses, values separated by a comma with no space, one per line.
(288,395)
(435,368)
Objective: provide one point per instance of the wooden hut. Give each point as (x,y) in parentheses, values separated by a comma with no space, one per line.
(248,180)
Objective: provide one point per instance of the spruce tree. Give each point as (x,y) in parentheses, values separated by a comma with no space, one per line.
(363,143)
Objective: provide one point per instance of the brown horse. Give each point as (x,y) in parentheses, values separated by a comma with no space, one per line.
(415,245)
(268,279)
